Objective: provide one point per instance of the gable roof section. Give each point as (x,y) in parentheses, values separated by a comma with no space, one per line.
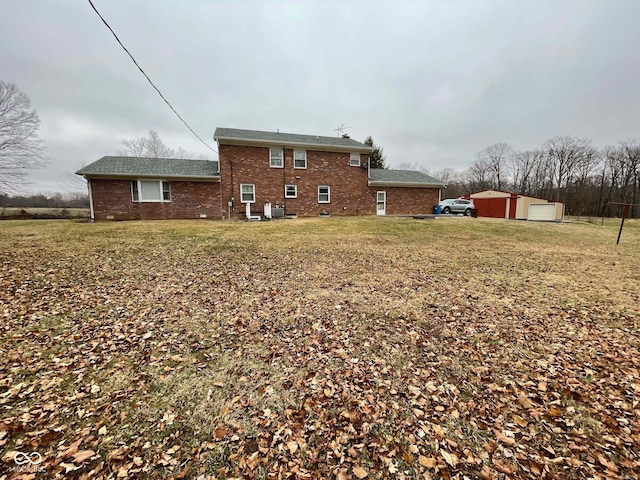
(151,167)
(236,135)
(402,178)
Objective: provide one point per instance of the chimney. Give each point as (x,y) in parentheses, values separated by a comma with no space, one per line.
(344,135)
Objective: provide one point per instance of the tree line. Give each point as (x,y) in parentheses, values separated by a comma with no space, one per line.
(45,200)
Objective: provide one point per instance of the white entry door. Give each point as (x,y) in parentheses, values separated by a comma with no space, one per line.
(381,204)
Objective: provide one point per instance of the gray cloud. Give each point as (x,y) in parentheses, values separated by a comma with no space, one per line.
(432,81)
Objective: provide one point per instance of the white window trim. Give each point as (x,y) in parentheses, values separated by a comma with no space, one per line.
(351,164)
(295,195)
(328,187)
(253,186)
(140,200)
(305,159)
(271,158)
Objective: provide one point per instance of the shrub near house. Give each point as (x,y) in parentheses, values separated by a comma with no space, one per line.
(307,175)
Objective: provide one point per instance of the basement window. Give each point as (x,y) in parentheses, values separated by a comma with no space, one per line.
(150,191)
(247,193)
(300,159)
(290,191)
(324,194)
(354,159)
(276,159)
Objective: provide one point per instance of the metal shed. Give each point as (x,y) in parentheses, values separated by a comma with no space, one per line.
(500,204)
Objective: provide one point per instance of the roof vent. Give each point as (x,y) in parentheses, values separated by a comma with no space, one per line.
(278,130)
(344,135)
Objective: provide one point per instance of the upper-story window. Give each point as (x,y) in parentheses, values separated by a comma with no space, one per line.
(299,159)
(354,159)
(276,158)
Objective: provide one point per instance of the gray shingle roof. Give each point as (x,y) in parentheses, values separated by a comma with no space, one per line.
(161,167)
(383,175)
(287,138)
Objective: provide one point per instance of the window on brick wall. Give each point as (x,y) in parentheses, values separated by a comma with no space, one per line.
(300,159)
(150,191)
(290,191)
(247,193)
(324,194)
(276,159)
(354,159)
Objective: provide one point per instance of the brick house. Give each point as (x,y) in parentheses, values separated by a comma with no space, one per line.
(305,175)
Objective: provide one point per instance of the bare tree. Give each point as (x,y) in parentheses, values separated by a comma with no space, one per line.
(522,166)
(631,154)
(21,150)
(566,153)
(411,166)
(150,146)
(494,161)
(134,147)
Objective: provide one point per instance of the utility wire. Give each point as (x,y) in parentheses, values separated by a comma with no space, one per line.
(147,77)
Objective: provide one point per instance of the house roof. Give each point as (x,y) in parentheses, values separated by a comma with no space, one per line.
(151,167)
(281,138)
(384,176)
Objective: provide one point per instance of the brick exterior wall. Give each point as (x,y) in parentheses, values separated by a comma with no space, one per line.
(249,164)
(407,200)
(350,194)
(188,200)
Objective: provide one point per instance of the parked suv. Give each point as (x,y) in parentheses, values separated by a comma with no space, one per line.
(456,205)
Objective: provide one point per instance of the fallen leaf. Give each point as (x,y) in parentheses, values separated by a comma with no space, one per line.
(429,462)
(359,472)
(83,455)
(450,458)
(292,446)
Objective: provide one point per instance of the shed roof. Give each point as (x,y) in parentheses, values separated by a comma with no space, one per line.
(384,176)
(281,138)
(151,167)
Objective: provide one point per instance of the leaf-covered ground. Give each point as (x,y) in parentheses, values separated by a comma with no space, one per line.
(320,348)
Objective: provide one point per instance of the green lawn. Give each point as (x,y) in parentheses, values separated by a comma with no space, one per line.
(321,348)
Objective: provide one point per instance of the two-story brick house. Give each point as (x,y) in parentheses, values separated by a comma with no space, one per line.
(307,175)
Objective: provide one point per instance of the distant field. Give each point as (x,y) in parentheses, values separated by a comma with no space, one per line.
(45,213)
(321,348)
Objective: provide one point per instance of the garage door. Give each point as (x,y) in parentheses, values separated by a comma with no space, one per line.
(542,212)
(491,207)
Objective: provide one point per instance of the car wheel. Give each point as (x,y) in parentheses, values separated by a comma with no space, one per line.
(467,212)
(446,210)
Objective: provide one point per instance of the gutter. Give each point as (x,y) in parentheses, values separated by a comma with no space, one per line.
(401,184)
(98,175)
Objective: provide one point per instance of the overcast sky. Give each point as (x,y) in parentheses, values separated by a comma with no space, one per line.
(432,81)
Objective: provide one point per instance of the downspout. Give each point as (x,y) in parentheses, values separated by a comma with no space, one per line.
(220,191)
(284,178)
(93,218)
(232,187)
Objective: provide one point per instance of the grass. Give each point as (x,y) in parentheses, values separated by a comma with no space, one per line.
(345,336)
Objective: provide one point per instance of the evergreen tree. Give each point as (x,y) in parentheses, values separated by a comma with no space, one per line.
(376,158)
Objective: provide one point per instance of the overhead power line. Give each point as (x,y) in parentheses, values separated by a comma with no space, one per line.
(148,79)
